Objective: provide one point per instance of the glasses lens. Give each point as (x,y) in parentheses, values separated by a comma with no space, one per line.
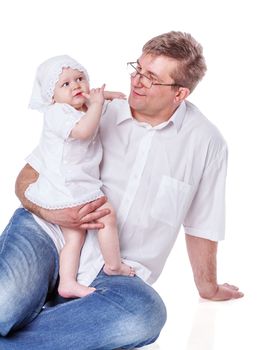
(133,70)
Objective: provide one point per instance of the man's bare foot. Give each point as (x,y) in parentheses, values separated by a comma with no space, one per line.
(124,270)
(74,290)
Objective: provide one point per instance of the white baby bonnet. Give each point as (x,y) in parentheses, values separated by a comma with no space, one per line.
(47,76)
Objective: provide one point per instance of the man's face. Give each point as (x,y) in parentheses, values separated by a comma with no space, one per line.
(157,103)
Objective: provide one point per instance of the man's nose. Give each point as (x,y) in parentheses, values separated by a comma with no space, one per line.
(137,80)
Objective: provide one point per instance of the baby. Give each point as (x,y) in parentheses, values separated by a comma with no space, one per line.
(67,160)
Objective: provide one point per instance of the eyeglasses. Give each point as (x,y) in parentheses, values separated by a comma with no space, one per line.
(134,69)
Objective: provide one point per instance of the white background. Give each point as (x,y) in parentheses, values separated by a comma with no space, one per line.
(103,36)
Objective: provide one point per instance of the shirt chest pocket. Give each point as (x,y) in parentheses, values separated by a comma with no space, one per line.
(171,201)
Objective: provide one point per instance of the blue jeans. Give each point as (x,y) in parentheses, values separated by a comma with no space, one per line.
(123,312)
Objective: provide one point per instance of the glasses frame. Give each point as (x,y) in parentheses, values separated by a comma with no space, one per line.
(143,75)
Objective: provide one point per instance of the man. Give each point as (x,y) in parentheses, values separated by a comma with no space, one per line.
(164,165)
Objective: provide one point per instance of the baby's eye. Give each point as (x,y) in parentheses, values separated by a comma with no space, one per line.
(79,79)
(65,84)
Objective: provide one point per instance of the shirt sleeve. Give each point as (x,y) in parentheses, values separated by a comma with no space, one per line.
(61,119)
(206,215)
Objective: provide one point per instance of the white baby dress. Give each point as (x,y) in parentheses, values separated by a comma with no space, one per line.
(68,168)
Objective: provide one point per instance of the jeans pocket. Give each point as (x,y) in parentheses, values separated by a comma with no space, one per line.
(171,201)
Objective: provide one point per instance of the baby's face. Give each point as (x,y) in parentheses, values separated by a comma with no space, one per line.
(69,88)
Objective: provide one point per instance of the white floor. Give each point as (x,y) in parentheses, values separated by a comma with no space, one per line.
(197,324)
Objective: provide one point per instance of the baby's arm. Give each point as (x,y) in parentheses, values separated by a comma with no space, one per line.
(88,124)
(110,95)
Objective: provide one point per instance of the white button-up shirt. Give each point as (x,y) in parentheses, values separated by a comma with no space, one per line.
(158,178)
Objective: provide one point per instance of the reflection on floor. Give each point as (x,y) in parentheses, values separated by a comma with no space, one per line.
(211,326)
(197,324)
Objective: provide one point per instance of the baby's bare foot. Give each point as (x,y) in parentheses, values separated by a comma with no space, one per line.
(124,270)
(74,290)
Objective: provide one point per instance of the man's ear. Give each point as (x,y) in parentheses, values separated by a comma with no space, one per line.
(181,94)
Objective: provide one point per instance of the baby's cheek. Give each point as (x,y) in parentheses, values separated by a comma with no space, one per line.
(86,88)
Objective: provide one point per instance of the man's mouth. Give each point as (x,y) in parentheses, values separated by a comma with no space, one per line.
(135,93)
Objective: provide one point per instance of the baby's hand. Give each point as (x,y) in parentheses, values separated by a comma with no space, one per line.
(110,95)
(95,96)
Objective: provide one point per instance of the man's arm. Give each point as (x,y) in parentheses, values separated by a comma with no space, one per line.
(83,216)
(26,176)
(203,258)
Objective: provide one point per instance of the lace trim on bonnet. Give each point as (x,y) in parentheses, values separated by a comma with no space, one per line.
(47,76)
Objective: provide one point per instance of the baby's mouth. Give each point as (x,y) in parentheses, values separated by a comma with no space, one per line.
(78,94)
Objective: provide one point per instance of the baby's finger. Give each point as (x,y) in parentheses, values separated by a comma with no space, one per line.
(84,94)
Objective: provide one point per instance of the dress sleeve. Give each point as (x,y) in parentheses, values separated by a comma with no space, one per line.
(206,215)
(60,119)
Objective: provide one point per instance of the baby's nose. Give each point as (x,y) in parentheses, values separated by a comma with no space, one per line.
(75,84)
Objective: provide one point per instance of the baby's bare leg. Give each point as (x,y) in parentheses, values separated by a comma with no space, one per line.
(69,263)
(110,247)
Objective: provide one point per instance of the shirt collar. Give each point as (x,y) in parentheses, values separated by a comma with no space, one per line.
(124,113)
(178,116)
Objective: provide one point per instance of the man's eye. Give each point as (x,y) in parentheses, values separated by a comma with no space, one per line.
(152,78)
(155,81)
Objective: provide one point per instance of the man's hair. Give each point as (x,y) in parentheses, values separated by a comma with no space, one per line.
(185,50)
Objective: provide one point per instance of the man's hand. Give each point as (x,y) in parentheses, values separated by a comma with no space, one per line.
(226,292)
(85,216)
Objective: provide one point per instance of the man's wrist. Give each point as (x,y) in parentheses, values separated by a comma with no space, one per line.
(208,290)
(39,212)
